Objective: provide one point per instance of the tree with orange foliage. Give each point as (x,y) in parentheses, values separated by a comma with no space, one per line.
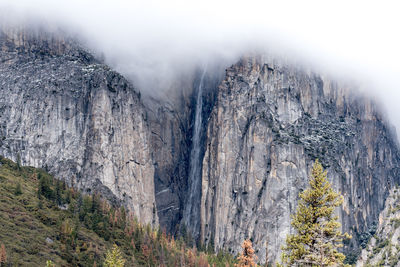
(3,255)
(203,262)
(191,255)
(247,257)
(146,251)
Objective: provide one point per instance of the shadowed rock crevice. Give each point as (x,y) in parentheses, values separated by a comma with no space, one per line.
(171,117)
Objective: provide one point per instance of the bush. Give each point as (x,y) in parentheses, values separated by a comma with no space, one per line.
(18,190)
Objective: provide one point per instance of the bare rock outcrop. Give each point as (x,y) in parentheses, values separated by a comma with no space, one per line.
(383,249)
(269,123)
(63,110)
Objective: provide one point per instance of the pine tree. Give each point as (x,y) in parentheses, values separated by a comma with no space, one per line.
(318,234)
(247,257)
(44,187)
(58,192)
(114,258)
(18,190)
(18,162)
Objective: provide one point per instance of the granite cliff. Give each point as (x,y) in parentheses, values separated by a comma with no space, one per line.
(63,110)
(220,155)
(384,247)
(172,118)
(269,123)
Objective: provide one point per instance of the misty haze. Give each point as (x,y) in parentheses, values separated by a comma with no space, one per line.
(199,133)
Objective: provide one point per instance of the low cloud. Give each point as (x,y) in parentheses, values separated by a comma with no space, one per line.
(153,41)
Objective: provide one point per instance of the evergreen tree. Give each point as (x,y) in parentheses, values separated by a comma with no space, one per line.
(58,192)
(246,259)
(68,197)
(18,162)
(18,190)
(114,258)
(318,234)
(44,187)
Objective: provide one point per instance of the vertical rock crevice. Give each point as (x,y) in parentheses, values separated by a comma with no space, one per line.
(176,139)
(191,212)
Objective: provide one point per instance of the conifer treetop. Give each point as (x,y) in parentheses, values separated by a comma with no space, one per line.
(317,230)
(114,258)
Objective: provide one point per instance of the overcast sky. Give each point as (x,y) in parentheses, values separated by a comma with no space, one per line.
(156,39)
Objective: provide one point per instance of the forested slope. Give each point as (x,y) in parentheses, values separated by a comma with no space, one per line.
(42,219)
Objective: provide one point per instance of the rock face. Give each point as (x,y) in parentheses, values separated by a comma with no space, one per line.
(172,118)
(269,123)
(170,142)
(63,110)
(256,134)
(384,247)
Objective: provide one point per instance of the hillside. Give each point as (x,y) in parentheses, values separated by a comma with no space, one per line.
(42,219)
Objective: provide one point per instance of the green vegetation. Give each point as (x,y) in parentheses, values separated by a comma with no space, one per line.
(45,223)
(114,258)
(317,236)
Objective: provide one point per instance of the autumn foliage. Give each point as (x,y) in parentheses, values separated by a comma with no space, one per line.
(3,255)
(83,227)
(247,257)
